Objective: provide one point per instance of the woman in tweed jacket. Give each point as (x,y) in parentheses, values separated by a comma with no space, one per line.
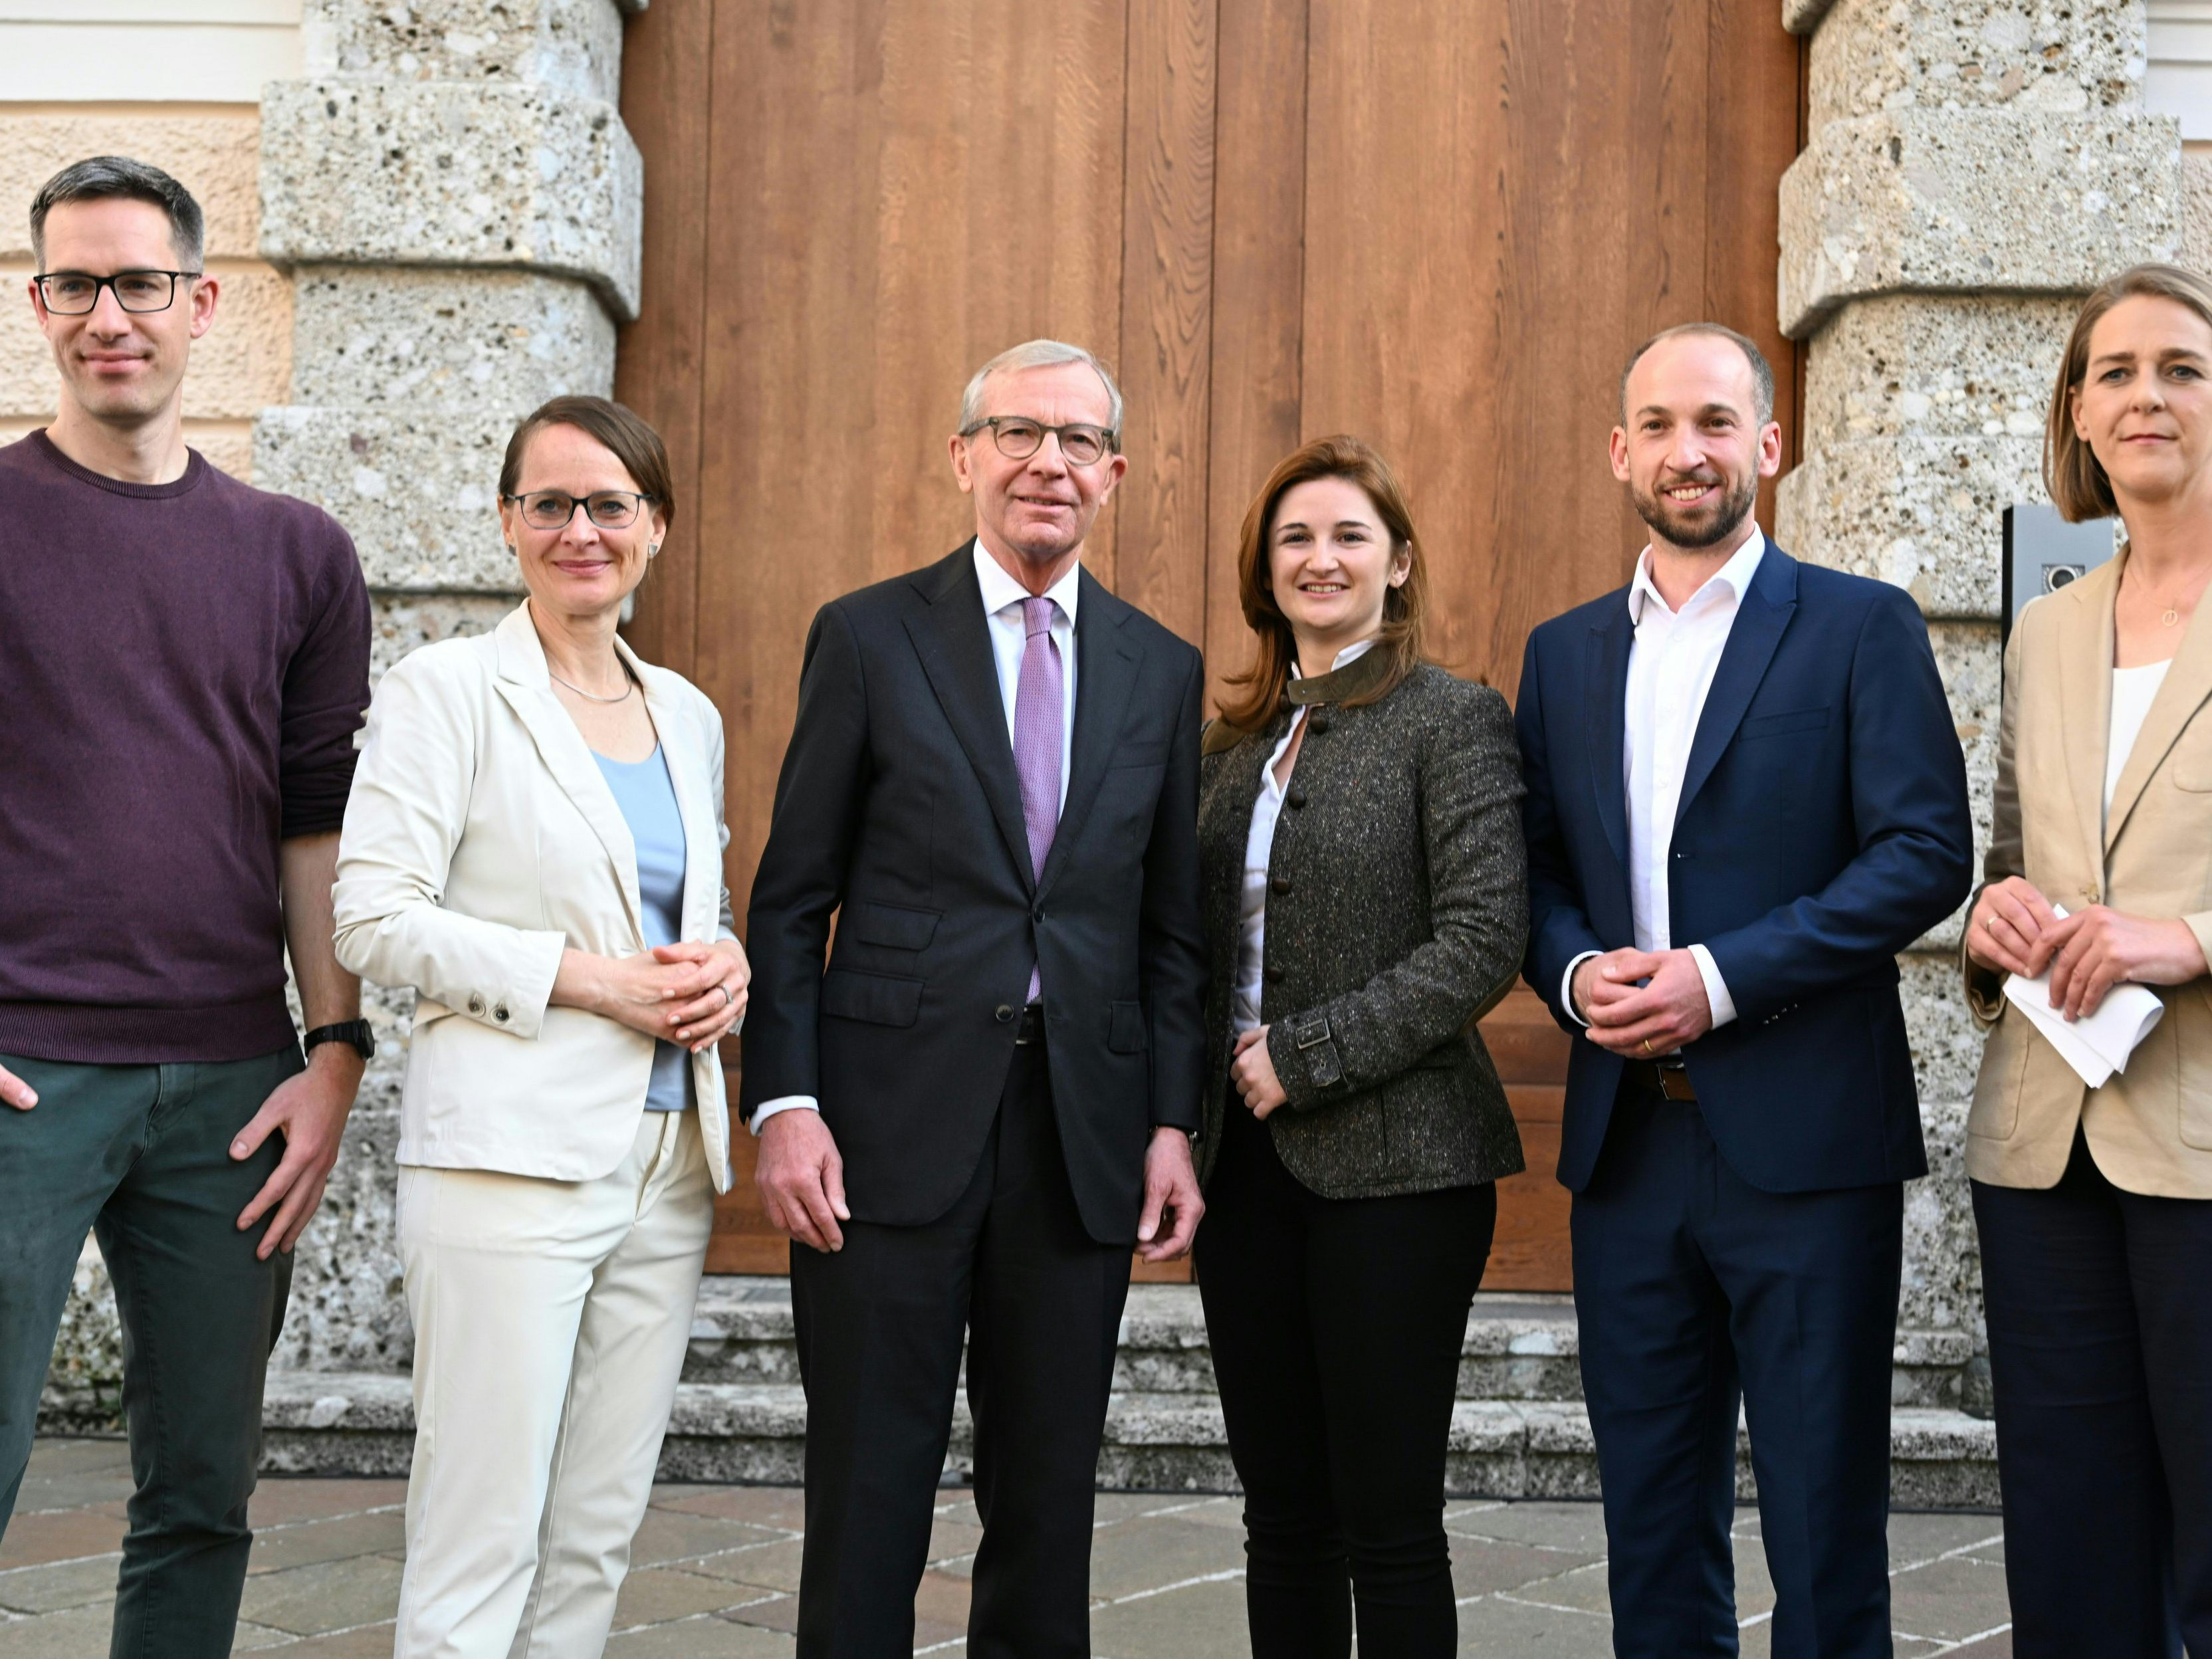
(1364,882)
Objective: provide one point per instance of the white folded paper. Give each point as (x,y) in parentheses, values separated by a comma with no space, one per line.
(2096,1045)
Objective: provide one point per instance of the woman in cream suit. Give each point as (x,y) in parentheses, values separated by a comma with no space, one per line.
(2095,1205)
(534,843)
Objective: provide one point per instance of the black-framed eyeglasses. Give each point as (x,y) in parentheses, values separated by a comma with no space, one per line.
(552,509)
(1018,438)
(76,293)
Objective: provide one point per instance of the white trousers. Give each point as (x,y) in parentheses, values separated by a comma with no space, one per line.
(551,1320)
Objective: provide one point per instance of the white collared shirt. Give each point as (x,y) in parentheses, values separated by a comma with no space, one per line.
(1259,850)
(1002,612)
(1002,608)
(1671,666)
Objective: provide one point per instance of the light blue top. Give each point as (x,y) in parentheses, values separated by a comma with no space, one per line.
(648,800)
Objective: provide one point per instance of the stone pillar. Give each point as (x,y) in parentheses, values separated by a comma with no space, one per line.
(459,205)
(1970,167)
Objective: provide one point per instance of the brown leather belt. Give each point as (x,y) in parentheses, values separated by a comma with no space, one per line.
(1657,1077)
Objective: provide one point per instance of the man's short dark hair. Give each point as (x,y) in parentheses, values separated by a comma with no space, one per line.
(118,177)
(1762,372)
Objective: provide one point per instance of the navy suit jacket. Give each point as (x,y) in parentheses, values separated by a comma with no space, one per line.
(1822,829)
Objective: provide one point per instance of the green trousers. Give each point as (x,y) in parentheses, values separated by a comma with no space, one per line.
(140,1154)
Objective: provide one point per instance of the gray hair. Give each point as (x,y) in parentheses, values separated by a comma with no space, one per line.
(1036,354)
(1762,372)
(112,178)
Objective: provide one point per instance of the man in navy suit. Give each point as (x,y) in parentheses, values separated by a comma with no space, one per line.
(1746,795)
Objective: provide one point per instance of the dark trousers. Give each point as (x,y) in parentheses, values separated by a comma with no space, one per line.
(140,1154)
(880,1324)
(1335,1325)
(2099,1306)
(1692,1287)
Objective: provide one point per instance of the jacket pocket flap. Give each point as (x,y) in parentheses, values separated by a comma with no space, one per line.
(878,998)
(889,924)
(1125,1028)
(1789,720)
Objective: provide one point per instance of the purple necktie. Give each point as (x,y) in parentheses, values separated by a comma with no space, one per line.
(1039,721)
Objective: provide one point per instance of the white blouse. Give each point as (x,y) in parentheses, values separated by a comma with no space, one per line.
(2133,690)
(1258,848)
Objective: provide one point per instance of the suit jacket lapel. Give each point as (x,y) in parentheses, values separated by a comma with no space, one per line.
(1768,604)
(2187,684)
(525,683)
(1606,697)
(1105,679)
(954,643)
(2085,683)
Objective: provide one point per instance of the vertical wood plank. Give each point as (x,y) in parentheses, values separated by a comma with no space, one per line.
(1259,267)
(1167,305)
(667,102)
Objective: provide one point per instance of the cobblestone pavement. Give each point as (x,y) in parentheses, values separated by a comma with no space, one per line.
(715,1568)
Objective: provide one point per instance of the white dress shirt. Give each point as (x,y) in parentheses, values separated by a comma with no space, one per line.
(1259,849)
(1671,665)
(1002,612)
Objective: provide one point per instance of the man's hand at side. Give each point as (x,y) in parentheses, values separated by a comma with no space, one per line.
(1170,1193)
(16,1092)
(802,1179)
(311,1109)
(1643,1022)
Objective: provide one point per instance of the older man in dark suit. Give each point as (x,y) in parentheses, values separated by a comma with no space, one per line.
(987,1098)
(1745,796)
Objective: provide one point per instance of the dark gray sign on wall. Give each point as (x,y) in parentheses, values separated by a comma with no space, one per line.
(2043,553)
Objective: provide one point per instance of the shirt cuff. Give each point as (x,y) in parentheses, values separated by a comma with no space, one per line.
(1567,988)
(768,1108)
(1716,990)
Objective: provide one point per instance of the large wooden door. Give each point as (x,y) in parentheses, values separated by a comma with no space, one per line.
(1439,223)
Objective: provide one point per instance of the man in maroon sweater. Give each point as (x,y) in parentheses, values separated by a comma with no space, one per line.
(183,663)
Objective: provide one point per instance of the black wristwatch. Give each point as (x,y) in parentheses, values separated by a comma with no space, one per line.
(354,1033)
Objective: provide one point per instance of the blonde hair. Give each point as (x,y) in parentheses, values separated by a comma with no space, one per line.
(2071,471)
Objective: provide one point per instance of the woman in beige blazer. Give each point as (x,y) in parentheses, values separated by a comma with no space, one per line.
(2095,1205)
(534,844)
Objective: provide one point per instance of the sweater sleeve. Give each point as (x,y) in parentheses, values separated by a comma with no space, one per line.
(326,693)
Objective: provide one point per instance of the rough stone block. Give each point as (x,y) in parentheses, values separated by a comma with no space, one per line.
(2196,208)
(418,493)
(215,156)
(83,1390)
(1939,1307)
(357,172)
(470,345)
(1971,663)
(1967,201)
(239,367)
(2055,56)
(401,622)
(1925,366)
(1946,1044)
(1926,514)
(572,45)
(1803,16)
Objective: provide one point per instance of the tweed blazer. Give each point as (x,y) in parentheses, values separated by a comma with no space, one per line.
(2150,1125)
(1397,913)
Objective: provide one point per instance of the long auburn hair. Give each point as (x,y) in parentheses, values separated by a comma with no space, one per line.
(1405,607)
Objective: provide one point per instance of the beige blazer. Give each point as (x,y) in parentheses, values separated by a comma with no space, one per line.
(481,839)
(2150,1126)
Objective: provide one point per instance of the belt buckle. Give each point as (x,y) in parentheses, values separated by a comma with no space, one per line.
(1671,1076)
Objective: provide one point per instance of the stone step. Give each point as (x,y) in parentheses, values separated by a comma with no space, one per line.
(333,1423)
(1517,1346)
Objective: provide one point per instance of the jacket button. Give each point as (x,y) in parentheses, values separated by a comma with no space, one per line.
(1037,916)
(1273,975)
(2090,894)
(475,1006)
(1280,884)
(1295,799)
(498,1013)
(1317,724)
(1004,1013)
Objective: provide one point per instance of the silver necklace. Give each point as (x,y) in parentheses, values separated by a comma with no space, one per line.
(592,696)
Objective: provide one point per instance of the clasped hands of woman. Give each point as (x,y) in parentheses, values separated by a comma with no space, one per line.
(2016,930)
(686,993)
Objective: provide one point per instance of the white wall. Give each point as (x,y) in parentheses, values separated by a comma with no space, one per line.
(2179,81)
(200,51)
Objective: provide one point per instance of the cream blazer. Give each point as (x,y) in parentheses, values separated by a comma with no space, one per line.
(480,841)
(2150,1126)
